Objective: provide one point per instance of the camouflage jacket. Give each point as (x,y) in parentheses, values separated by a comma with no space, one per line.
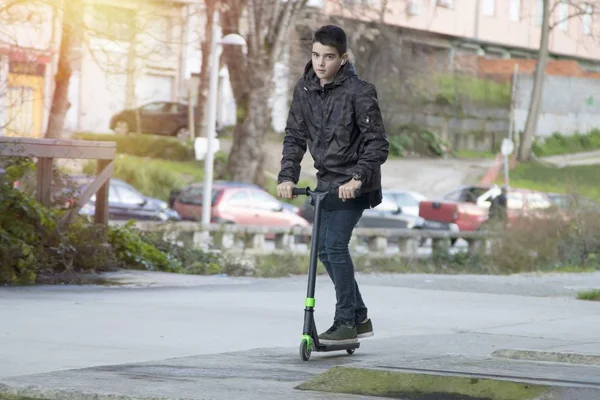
(341,124)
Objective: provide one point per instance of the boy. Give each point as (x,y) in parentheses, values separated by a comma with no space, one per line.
(337,115)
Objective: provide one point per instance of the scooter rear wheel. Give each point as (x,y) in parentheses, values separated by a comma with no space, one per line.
(350,351)
(304,350)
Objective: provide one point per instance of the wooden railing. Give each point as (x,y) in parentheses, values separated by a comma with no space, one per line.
(254,238)
(46,150)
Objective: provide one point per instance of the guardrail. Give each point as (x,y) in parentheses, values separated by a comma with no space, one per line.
(254,238)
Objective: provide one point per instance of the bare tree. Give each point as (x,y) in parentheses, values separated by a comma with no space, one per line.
(577,8)
(116,38)
(268,22)
(72,20)
(210,7)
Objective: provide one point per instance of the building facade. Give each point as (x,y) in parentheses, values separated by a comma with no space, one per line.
(26,40)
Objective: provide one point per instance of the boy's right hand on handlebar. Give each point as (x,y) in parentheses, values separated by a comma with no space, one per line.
(285,189)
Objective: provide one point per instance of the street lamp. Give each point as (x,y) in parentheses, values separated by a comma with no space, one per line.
(231,39)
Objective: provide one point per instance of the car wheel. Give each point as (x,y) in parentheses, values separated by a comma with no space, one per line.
(121,127)
(182,133)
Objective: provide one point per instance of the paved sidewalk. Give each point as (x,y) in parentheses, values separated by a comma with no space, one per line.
(187,337)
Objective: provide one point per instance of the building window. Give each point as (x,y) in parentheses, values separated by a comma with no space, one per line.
(443,3)
(563,15)
(514,10)
(587,20)
(113,23)
(489,8)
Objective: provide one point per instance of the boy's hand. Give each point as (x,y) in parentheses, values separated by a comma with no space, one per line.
(284,189)
(348,190)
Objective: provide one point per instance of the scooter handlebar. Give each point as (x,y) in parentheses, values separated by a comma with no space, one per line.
(300,191)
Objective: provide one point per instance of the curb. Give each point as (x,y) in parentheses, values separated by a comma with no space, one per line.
(548,356)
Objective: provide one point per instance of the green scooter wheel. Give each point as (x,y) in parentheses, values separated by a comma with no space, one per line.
(305,350)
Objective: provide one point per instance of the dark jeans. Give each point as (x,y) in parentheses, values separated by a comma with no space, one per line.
(334,238)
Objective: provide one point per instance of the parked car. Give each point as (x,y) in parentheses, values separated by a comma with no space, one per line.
(158,118)
(571,202)
(407,200)
(386,215)
(124,202)
(468,206)
(287,207)
(235,203)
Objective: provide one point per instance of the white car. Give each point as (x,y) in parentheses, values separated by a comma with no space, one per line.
(407,200)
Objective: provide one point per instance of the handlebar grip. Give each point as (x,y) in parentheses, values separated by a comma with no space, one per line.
(300,191)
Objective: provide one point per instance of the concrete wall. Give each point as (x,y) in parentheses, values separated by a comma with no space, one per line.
(569,104)
(473,129)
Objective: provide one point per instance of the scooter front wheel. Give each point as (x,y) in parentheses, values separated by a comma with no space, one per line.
(305,350)
(350,351)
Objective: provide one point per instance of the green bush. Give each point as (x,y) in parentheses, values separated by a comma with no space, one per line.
(141,145)
(558,144)
(35,245)
(413,139)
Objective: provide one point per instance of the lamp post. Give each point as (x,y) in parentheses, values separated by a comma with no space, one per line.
(217,42)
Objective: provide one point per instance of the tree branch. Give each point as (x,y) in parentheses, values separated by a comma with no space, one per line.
(579,11)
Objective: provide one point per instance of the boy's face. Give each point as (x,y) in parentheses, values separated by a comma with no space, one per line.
(326,61)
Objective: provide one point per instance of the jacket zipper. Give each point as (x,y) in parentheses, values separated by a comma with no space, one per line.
(322,132)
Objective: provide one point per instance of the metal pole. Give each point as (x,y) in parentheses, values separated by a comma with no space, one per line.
(513,94)
(506,169)
(212,121)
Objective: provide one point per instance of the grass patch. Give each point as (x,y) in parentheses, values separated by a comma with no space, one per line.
(558,144)
(591,295)
(581,179)
(402,385)
(156,178)
(145,145)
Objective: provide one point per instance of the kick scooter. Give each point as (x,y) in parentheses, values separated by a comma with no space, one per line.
(310,336)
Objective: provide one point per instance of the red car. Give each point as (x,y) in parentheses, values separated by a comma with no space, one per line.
(236,204)
(468,206)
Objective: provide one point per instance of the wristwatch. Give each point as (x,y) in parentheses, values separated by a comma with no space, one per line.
(357,176)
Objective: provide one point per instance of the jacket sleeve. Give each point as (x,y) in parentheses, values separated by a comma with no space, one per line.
(294,142)
(370,124)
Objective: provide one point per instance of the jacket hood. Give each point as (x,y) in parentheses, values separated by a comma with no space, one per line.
(310,77)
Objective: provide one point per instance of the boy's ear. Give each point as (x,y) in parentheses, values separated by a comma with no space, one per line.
(344,59)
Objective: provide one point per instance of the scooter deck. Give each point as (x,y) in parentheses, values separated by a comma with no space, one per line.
(336,347)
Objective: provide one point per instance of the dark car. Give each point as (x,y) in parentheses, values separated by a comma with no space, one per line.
(385,215)
(158,118)
(124,202)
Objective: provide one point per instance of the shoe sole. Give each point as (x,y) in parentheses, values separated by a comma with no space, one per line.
(335,342)
(365,335)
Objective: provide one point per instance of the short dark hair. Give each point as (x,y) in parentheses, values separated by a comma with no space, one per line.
(334,36)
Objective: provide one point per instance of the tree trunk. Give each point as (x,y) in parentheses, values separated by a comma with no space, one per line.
(60,99)
(247,157)
(236,62)
(526,144)
(203,85)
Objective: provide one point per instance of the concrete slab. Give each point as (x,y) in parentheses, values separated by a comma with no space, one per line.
(274,373)
(190,337)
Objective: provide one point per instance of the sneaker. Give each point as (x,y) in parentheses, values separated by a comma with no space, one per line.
(364,329)
(339,334)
